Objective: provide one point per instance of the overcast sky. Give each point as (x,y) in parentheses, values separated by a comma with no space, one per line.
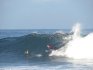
(45,14)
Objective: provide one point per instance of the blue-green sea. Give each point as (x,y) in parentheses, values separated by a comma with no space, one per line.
(27,50)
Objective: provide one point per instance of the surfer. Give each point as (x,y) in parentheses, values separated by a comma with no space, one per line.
(27,55)
(26,52)
(51,47)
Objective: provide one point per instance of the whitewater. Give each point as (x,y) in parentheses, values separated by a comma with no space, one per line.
(78,47)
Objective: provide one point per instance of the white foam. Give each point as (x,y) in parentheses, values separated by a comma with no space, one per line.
(78,48)
(61,32)
(32,67)
(81,47)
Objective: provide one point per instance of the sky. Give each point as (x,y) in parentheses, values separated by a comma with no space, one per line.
(45,14)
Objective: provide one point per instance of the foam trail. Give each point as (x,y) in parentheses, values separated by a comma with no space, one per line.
(78,48)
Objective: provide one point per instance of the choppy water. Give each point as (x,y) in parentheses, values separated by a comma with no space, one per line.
(14,44)
(53,64)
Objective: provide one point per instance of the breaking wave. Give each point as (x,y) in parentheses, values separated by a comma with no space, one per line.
(78,47)
(33,46)
(36,45)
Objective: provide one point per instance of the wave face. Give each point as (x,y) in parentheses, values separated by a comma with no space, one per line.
(32,46)
(77,48)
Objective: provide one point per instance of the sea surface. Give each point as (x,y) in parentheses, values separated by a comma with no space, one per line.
(30,49)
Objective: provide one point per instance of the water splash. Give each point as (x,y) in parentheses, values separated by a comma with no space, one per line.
(76,30)
(78,48)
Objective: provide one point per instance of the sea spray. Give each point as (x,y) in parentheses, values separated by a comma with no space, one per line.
(80,48)
(77,48)
(76,31)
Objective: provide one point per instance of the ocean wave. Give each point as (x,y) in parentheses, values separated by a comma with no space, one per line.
(32,45)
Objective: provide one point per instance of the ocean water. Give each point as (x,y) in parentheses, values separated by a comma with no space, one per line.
(30,49)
